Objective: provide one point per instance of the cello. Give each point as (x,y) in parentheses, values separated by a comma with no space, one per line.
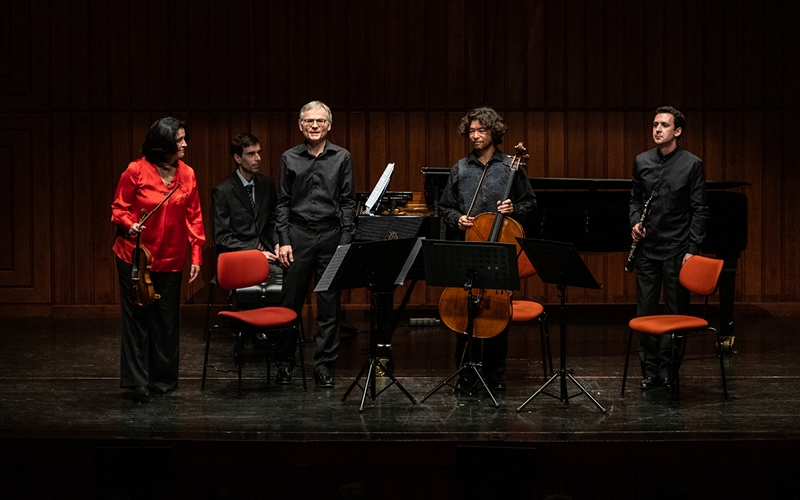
(494,306)
(142,291)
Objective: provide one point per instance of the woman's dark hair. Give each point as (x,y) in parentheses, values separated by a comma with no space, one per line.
(489,119)
(160,143)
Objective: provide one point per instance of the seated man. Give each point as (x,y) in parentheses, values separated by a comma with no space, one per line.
(243,208)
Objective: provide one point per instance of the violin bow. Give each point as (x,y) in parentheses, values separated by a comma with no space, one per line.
(146,215)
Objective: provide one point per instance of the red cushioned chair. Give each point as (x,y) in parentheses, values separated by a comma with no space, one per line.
(700,275)
(528,310)
(236,270)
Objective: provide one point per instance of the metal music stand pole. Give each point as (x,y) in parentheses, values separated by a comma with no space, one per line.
(471,265)
(370,390)
(560,264)
(379,266)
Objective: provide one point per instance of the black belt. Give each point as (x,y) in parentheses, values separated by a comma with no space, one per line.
(323,225)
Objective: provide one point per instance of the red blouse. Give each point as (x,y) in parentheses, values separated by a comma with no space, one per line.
(167,230)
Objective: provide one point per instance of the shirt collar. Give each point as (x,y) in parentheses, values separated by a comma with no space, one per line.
(325,149)
(668,155)
(245,183)
(496,156)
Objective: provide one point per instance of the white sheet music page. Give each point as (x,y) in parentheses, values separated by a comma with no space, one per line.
(401,278)
(380,187)
(333,266)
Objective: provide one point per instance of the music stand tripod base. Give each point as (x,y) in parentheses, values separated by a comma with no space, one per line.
(381,300)
(478,265)
(378,266)
(369,384)
(560,264)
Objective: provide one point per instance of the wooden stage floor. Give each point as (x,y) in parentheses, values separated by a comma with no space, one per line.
(69,431)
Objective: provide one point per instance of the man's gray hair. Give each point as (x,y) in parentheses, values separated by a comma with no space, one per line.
(316,104)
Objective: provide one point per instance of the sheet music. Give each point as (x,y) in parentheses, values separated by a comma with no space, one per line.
(330,271)
(401,278)
(380,187)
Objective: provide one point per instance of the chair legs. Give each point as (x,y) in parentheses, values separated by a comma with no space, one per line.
(207,338)
(674,381)
(721,365)
(208,309)
(301,344)
(238,355)
(627,360)
(673,375)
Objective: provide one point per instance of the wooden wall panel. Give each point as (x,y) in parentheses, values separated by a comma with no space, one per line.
(25,272)
(577,81)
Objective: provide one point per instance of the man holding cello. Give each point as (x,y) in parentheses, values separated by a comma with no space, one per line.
(476,186)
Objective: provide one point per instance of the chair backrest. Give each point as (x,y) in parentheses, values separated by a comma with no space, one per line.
(242,269)
(701,274)
(526,269)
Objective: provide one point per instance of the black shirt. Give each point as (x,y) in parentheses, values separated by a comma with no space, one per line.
(316,189)
(679,210)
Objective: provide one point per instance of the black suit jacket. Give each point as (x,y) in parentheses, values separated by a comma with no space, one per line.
(234,223)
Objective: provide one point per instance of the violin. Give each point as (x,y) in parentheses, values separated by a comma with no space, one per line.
(494,306)
(142,291)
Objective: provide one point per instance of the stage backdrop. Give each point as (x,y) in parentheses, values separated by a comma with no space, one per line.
(577,81)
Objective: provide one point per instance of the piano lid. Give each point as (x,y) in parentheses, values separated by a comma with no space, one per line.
(610,184)
(587,184)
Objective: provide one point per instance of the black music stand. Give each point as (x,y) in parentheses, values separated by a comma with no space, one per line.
(560,264)
(378,266)
(474,264)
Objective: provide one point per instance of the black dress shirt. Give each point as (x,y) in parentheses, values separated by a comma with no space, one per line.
(463,181)
(316,190)
(679,210)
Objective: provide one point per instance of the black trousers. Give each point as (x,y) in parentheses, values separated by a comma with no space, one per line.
(493,355)
(655,350)
(312,250)
(150,346)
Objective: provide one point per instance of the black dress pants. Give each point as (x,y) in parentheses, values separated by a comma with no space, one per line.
(655,350)
(312,250)
(150,346)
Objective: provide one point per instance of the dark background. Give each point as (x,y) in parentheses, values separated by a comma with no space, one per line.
(577,81)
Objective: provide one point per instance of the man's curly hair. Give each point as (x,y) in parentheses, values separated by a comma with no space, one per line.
(489,119)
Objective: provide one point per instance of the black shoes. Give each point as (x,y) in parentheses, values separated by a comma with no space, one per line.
(648,383)
(140,394)
(669,384)
(284,375)
(497,384)
(324,380)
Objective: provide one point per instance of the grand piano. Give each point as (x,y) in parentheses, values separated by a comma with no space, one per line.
(593,215)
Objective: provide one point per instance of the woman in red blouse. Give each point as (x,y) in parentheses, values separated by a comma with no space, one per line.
(150,334)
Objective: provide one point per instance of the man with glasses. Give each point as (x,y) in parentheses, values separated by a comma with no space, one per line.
(482,176)
(315,214)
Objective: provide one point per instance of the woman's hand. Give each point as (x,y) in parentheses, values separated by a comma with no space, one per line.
(194,272)
(135,229)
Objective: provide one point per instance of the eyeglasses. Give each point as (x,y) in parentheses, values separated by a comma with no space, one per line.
(310,122)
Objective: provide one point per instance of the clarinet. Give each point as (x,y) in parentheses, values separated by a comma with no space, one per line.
(632,253)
